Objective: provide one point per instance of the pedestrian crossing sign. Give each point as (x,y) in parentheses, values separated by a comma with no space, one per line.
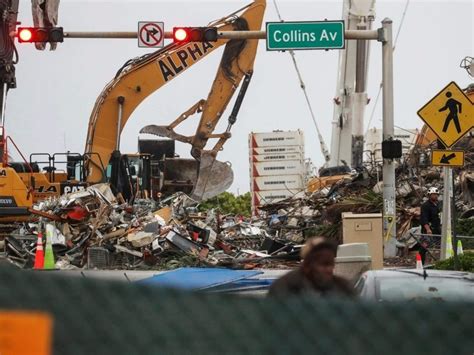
(450,114)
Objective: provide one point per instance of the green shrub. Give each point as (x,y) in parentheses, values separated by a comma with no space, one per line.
(465,227)
(465,263)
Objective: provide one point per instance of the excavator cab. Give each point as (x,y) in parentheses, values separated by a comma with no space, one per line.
(168,172)
(55,174)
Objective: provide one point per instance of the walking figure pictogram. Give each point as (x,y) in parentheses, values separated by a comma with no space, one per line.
(452,105)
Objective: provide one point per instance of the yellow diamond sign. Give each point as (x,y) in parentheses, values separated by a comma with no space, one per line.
(450,114)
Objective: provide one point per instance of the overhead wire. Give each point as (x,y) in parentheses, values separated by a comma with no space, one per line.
(393,50)
(324,149)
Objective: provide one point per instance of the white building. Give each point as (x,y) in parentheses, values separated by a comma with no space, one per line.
(277,166)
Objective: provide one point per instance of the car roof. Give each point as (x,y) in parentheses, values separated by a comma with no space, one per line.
(388,273)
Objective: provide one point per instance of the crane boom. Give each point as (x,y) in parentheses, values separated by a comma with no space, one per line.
(351,93)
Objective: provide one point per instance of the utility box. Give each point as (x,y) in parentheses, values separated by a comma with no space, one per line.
(365,228)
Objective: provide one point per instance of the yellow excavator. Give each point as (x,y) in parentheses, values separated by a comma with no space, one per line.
(141,77)
(102,161)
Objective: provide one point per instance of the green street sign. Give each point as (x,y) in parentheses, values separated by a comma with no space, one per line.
(305,35)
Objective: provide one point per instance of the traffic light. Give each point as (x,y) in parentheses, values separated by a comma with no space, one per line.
(40,34)
(194,34)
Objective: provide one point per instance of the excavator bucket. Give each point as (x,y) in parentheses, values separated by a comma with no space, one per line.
(200,180)
(213,178)
(209,176)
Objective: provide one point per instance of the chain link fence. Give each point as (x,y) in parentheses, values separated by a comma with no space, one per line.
(460,243)
(104,317)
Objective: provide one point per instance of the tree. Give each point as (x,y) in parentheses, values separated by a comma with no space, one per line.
(228,203)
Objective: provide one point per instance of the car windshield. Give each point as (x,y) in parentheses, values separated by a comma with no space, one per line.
(413,288)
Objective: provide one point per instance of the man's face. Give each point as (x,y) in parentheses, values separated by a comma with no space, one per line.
(434,197)
(322,268)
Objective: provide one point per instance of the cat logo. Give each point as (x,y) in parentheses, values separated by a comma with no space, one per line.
(72,188)
(175,63)
(3,173)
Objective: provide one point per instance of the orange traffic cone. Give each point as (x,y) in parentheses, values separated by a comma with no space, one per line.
(39,256)
(419,264)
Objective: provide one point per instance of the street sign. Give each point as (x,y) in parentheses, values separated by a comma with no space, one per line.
(447,157)
(305,35)
(450,114)
(151,34)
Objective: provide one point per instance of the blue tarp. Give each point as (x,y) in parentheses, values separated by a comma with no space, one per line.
(198,278)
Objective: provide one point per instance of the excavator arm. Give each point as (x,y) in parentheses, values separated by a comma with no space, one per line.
(140,77)
(236,65)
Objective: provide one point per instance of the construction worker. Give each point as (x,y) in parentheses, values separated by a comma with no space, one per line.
(315,276)
(430,221)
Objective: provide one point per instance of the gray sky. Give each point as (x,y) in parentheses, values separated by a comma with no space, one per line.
(49,111)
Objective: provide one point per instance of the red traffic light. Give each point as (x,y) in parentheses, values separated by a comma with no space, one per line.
(194,34)
(40,34)
(25,35)
(180,34)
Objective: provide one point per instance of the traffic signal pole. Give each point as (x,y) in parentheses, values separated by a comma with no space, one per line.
(383,35)
(389,199)
(351,34)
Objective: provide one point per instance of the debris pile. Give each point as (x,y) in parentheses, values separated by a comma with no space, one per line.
(92,229)
(319,213)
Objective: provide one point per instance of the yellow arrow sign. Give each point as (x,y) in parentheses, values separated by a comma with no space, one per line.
(447,157)
(450,114)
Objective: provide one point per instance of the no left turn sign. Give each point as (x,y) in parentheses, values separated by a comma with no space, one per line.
(151,34)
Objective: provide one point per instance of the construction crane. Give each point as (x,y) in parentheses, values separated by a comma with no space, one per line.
(350,100)
(351,92)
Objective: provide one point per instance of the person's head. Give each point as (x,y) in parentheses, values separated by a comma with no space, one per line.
(433,194)
(448,94)
(318,256)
